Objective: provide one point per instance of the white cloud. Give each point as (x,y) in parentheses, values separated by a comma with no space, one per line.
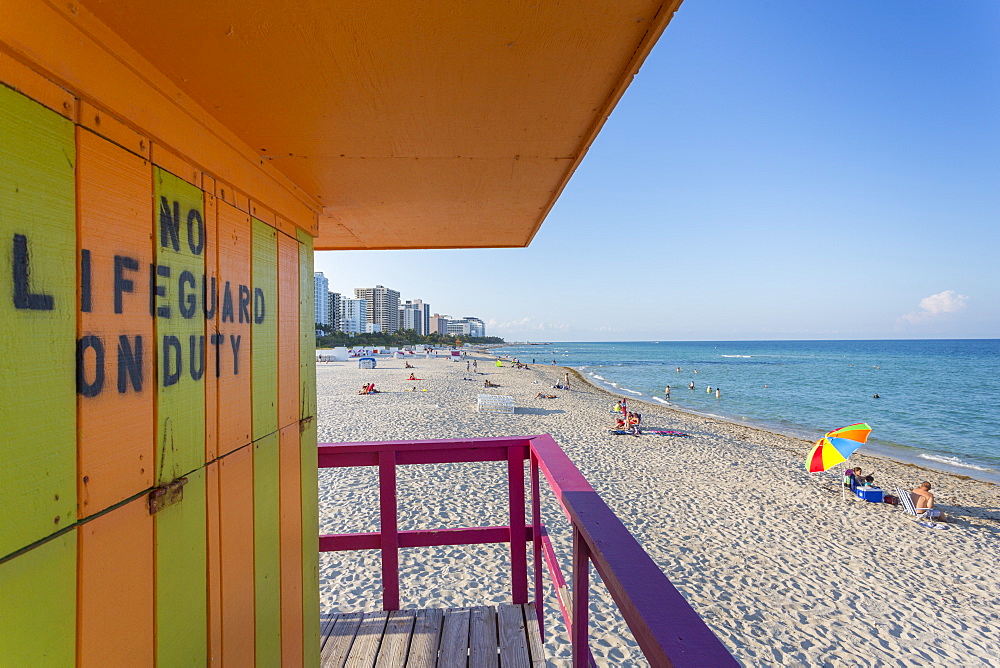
(936,306)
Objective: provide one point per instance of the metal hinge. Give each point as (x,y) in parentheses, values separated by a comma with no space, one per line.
(167,495)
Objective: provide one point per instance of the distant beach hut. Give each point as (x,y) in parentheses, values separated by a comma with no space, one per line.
(366,363)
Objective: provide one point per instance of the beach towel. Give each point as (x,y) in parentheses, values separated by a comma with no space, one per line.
(665,432)
(932,525)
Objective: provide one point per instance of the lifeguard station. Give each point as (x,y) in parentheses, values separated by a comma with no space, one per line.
(167,170)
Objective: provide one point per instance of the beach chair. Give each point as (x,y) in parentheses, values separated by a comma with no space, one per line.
(906,500)
(495,403)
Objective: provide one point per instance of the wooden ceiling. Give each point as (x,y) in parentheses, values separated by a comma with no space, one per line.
(445,124)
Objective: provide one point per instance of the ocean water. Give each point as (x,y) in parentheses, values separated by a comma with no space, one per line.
(938,405)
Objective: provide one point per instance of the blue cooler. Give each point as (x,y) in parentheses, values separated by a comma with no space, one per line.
(870,494)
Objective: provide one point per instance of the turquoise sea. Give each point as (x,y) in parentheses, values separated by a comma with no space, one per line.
(938,405)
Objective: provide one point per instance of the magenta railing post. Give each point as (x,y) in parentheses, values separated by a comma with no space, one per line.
(388,529)
(518,536)
(536,542)
(579,631)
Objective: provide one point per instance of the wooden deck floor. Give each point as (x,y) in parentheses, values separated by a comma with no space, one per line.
(480,637)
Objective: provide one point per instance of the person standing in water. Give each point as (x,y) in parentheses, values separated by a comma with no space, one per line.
(718,393)
(708,390)
(667,392)
(691,385)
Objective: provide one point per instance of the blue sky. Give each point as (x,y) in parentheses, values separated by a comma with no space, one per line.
(784,169)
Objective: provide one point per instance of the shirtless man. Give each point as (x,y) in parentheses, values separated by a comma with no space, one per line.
(924,501)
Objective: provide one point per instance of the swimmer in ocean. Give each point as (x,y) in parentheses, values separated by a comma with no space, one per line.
(691,386)
(875,396)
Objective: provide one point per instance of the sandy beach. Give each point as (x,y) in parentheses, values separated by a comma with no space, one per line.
(783,569)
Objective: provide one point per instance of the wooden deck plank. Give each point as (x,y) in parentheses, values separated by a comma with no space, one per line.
(426,638)
(326,623)
(483,637)
(534,635)
(396,641)
(454,651)
(338,645)
(368,639)
(479,637)
(513,642)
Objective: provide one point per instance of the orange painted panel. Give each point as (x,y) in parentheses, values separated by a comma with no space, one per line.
(229,356)
(115,595)
(236,552)
(176,165)
(26,81)
(261,212)
(210,293)
(116,421)
(290,495)
(288,330)
(112,129)
(214,564)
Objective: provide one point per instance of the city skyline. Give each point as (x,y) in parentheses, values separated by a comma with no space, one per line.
(379,309)
(786,171)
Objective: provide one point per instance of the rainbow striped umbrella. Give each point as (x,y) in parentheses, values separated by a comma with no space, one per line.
(836,447)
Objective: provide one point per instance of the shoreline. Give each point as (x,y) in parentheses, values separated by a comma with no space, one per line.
(728,513)
(886,456)
(895,453)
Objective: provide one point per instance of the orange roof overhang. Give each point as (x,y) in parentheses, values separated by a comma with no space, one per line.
(446,124)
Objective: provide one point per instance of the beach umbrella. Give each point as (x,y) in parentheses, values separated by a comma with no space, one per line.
(836,446)
(855,432)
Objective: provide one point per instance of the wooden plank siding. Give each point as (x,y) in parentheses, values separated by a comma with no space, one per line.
(231,354)
(115,589)
(309,455)
(179,239)
(115,421)
(267,551)
(37,322)
(181,581)
(264,335)
(126,369)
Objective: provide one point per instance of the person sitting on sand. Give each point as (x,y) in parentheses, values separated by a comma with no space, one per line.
(620,424)
(408,366)
(412,376)
(632,423)
(368,389)
(923,499)
(618,407)
(487,383)
(545,396)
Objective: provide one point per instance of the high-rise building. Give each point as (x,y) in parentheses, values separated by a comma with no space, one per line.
(333,310)
(467,326)
(458,328)
(353,315)
(415,315)
(383,306)
(439,324)
(476,326)
(321,288)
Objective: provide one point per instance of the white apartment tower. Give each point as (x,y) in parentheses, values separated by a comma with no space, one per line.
(415,315)
(383,306)
(321,290)
(353,315)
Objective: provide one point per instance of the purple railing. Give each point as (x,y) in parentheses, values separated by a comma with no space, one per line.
(669,632)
